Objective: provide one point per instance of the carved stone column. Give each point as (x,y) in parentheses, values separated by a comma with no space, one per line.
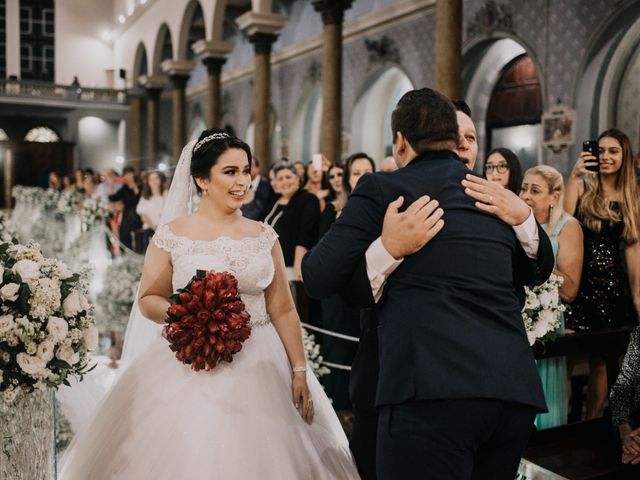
(212,54)
(448,47)
(178,73)
(261,29)
(332,12)
(153,86)
(135,126)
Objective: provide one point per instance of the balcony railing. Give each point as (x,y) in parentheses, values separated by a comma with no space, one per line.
(73,93)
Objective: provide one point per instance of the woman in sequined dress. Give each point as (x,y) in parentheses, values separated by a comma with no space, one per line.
(606,203)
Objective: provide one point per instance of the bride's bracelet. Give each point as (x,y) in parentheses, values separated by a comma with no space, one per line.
(302,368)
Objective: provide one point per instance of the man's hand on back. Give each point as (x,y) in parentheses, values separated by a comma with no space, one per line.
(407,232)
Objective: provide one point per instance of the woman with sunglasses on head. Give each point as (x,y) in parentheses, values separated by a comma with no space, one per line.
(606,203)
(503,167)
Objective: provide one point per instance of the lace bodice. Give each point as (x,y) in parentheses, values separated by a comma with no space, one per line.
(248,259)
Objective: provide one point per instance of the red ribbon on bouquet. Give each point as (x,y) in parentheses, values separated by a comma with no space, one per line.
(207,320)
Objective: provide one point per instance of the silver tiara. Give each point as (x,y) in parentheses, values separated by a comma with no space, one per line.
(215,136)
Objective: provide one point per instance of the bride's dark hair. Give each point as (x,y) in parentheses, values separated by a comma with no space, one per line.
(210,145)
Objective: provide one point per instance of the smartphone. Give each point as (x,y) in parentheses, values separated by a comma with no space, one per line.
(316,161)
(592,147)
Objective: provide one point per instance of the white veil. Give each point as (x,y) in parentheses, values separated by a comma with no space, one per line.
(180,202)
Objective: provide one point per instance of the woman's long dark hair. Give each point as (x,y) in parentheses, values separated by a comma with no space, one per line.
(515,170)
(146,189)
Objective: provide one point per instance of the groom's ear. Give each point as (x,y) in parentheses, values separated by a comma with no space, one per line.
(401,144)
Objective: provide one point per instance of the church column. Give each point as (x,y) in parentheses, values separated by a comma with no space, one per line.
(153,86)
(261,29)
(213,57)
(135,126)
(448,48)
(178,73)
(332,12)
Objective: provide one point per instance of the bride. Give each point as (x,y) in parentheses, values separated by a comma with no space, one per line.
(264,415)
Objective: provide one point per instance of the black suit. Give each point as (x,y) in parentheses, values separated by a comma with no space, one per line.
(450,328)
(263,200)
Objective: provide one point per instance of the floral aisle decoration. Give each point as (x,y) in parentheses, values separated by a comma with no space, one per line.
(118,293)
(94,211)
(7,229)
(312,352)
(46,332)
(542,313)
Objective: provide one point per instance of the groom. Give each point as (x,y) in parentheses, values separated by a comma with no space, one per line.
(458,388)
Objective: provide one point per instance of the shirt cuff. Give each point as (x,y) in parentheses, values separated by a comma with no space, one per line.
(527,235)
(380,264)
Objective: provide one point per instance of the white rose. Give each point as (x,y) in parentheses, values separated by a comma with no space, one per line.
(31,348)
(6,324)
(545,299)
(64,271)
(84,303)
(30,365)
(46,351)
(72,304)
(66,354)
(57,328)
(91,338)
(27,269)
(1,273)
(10,292)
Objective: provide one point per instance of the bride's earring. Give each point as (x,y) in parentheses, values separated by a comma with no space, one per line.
(205,193)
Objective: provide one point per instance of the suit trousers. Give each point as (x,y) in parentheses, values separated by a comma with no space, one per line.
(363,442)
(474,439)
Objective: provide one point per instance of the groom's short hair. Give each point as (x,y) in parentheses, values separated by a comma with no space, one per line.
(426,118)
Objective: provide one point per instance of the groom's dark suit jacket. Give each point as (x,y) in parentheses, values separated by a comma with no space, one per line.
(449,322)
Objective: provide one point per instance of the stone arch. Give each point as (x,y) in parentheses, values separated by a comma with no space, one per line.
(191,12)
(371,118)
(140,63)
(484,59)
(163,48)
(304,138)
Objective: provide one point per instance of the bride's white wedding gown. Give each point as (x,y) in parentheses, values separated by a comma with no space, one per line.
(162,420)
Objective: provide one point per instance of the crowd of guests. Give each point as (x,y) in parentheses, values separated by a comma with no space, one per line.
(135,201)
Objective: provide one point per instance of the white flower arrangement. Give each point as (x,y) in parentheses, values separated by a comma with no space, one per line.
(46,322)
(69,202)
(543,309)
(118,293)
(94,210)
(312,352)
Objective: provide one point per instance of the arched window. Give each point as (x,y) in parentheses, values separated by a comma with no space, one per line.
(41,135)
(515,108)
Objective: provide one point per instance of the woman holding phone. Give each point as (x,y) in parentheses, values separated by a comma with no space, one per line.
(606,203)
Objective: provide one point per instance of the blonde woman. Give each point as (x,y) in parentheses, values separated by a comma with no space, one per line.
(606,203)
(543,190)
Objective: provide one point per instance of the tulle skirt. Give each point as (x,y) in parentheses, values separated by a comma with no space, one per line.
(161,420)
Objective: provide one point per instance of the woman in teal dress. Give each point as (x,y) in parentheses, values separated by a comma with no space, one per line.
(543,189)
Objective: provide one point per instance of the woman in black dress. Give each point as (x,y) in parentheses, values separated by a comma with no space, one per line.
(295,218)
(337,316)
(606,203)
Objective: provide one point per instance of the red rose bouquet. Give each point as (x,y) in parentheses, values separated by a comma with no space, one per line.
(207,321)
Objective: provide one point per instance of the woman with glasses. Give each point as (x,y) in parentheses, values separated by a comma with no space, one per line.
(503,166)
(543,190)
(606,203)
(337,316)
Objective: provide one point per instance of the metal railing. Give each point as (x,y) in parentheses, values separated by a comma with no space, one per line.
(73,93)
